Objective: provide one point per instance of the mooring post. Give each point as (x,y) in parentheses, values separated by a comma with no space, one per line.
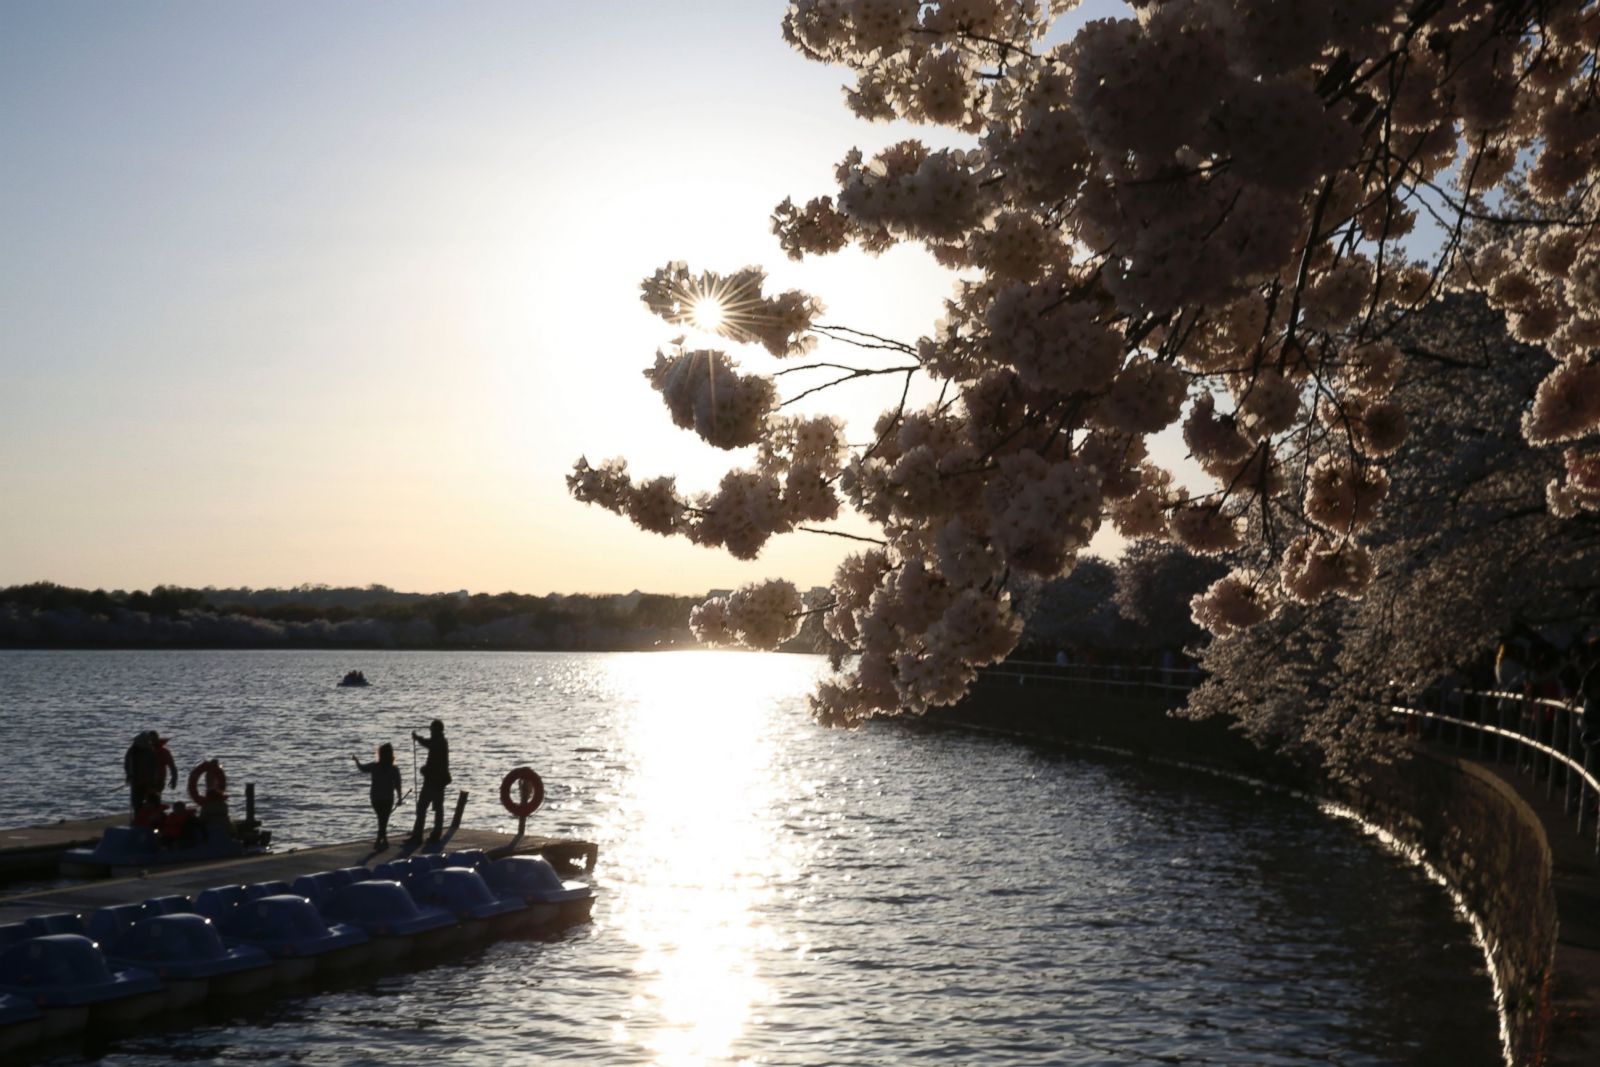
(461,806)
(250,802)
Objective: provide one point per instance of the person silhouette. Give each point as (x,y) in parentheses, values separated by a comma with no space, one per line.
(435,776)
(146,767)
(386,790)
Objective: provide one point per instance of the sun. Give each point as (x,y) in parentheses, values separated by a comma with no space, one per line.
(708,313)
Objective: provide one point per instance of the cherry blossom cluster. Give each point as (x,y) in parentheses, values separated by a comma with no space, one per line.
(792,483)
(705,393)
(779,323)
(763,615)
(1188,218)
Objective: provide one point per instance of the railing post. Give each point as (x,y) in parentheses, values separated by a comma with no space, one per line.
(1522,735)
(1583,791)
(1566,792)
(1586,752)
(1549,759)
(1500,725)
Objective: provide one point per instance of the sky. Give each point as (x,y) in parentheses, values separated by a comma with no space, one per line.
(307,292)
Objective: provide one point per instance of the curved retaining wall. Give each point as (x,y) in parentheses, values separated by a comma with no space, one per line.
(1462,820)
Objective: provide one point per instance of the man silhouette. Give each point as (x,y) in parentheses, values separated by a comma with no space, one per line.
(435,776)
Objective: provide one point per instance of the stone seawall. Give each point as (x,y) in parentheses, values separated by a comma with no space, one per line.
(1468,825)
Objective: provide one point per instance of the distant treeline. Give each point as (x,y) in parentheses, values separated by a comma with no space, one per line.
(44,614)
(1131,607)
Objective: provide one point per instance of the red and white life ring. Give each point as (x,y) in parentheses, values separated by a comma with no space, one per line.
(215,778)
(527,787)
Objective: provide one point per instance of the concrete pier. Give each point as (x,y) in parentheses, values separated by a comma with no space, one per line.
(33,850)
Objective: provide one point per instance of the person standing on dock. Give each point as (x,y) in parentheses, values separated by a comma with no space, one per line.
(166,766)
(145,766)
(385,788)
(435,776)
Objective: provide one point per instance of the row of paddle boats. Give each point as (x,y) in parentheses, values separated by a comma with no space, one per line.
(119,965)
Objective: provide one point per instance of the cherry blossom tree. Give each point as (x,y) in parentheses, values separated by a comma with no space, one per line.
(1073,613)
(1204,216)
(1466,549)
(1156,581)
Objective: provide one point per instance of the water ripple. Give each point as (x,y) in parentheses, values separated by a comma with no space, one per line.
(780,894)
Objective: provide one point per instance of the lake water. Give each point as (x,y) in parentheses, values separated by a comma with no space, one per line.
(777,893)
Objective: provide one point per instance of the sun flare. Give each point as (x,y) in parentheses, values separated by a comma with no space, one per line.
(708,313)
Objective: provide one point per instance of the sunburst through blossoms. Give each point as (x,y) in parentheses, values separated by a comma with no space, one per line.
(707,314)
(728,305)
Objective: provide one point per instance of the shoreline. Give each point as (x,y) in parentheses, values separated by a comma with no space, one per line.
(1506,862)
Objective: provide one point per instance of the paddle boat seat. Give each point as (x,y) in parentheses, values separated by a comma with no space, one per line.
(108,926)
(463,893)
(384,908)
(265,889)
(219,902)
(65,922)
(166,905)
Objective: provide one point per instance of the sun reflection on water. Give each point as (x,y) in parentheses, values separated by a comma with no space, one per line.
(697,845)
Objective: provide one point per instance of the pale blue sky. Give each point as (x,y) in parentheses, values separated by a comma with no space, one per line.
(337,292)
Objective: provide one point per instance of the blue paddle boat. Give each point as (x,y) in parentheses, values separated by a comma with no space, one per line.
(125,850)
(532,880)
(67,978)
(464,894)
(285,927)
(183,949)
(392,917)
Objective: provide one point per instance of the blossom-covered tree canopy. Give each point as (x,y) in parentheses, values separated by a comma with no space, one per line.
(1197,216)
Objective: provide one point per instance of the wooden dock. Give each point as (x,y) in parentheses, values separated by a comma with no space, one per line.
(565,854)
(33,850)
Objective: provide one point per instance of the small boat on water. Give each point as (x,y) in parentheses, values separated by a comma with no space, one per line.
(353,680)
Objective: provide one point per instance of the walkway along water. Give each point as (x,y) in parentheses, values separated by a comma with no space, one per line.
(1510,854)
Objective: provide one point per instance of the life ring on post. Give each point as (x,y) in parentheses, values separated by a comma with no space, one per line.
(523,784)
(215,778)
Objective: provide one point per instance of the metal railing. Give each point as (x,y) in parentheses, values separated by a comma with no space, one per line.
(1545,737)
(1092,676)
